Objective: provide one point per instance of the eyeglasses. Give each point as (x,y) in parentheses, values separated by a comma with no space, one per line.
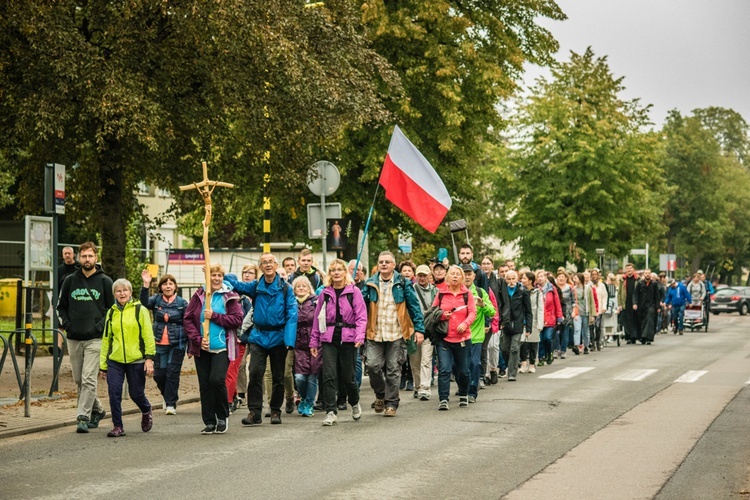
(386,262)
(267,263)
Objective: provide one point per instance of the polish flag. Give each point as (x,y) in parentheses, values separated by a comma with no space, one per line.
(412,184)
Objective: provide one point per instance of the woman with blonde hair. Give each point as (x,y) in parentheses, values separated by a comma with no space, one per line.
(459,310)
(213,350)
(337,332)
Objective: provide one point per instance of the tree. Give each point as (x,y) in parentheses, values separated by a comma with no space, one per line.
(708,212)
(585,171)
(140,90)
(457,61)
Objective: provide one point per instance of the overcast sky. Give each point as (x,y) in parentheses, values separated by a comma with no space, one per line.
(682,54)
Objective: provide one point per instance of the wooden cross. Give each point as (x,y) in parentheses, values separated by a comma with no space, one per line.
(205,188)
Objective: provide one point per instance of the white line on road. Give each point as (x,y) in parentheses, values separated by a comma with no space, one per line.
(748,382)
(691,376)
(568,372)
(636,375)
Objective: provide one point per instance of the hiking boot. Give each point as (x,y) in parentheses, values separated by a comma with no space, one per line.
(116,432)
(493,377)
(209,429)
(221,426)
(253,418)
(289,408)
(575,350)
(147,421)
(443,406)
(503,374)
(330,419)
(82,425)
(389,412)
(356,412)
(275,417)
(341,406)
(463,401)
(379,405)
(424,396)
(96,417)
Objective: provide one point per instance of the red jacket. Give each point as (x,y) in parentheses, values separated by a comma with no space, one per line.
(465,313)
(552,307)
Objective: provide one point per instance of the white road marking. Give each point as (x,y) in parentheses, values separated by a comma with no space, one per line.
(636,375)
(691,376)
(568,372)
(748,382)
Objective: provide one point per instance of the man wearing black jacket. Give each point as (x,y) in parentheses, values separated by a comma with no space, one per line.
(85,298)
(516,318)
(647,302)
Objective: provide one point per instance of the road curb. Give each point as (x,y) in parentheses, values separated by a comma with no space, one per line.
(50,426)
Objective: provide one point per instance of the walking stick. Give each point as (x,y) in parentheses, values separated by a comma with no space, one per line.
(205,188)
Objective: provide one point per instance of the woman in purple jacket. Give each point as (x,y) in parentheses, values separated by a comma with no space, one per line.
(343,332)
(307,368)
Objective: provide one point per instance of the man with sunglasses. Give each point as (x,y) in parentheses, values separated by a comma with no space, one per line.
(393,316)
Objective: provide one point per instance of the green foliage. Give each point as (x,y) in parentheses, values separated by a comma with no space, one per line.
(135,258)
(709,211)
(143,90)
(456,61)
(585,172)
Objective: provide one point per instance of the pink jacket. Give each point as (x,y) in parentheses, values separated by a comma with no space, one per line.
(465,314)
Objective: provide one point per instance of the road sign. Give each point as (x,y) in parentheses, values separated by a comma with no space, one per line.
(323,179)
(315,222)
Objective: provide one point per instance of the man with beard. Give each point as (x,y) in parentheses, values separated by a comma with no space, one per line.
(85,297)
(625,298)
(646,302)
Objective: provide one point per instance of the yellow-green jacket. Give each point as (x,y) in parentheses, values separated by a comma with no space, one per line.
(486,311)
(127,338)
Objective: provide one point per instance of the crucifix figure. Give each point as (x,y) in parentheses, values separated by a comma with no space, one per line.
(205,188)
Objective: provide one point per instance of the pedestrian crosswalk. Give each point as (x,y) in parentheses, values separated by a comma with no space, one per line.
(568,372)
(691,376)
(633,375)
(636,375)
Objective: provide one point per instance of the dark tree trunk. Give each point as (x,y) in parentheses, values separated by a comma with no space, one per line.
(115,209)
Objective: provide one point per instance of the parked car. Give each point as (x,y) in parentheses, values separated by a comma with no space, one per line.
(731,299)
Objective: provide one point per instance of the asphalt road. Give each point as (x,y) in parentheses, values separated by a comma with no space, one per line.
(666,421)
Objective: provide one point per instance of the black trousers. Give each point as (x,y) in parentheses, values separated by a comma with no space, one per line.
(339,362)
(630,324)
(258,356)
(211,368)
(648,323)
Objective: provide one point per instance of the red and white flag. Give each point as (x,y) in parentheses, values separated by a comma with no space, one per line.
(412,184)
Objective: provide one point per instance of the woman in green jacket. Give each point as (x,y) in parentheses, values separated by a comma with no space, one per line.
(128,349)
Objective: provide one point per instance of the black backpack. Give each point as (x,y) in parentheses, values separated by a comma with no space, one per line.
(434,327)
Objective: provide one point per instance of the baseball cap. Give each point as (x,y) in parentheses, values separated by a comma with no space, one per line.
(467,268)
(423,269)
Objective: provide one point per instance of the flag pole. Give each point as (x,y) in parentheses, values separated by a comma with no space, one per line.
(367,228)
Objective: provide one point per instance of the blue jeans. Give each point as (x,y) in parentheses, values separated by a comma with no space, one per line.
(562,335)
(167,368)
(307,387)
(117,373)
(475,369)
(448,354)
(545,341)
(678,313)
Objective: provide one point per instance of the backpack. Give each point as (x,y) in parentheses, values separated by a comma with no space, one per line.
(434,327)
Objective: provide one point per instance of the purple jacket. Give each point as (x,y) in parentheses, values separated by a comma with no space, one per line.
(304,362)
(354,314)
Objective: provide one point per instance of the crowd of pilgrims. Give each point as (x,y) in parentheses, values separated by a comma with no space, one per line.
(287,337)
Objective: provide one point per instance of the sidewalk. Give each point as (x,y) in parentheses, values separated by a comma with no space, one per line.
(60,410)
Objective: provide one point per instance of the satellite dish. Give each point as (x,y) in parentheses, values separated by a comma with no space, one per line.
(323,178)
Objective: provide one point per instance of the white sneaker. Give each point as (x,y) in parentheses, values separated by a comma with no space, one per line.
(331,418)
(170,410)
(524,367)
(481,383)
(356,412)
(532,368)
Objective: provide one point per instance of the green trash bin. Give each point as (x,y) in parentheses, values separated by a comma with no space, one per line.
(8,297)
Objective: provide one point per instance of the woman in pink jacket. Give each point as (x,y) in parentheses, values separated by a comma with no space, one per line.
(459,310)
(552,316)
